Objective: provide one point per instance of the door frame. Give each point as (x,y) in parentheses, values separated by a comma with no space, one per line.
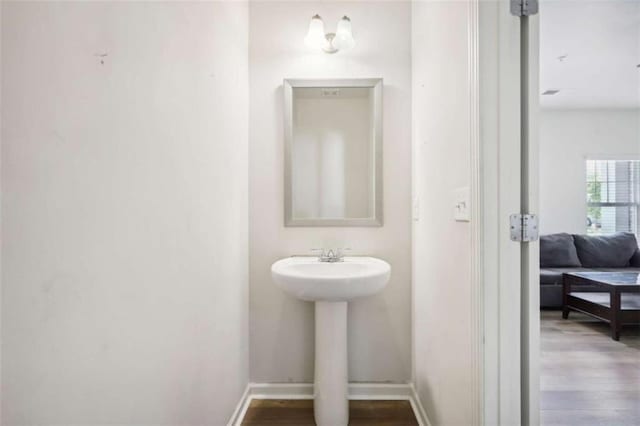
(508,183)
(530,331)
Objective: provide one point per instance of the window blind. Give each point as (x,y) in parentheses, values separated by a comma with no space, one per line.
(613,196)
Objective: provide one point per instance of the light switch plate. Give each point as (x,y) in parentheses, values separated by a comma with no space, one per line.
(462,208)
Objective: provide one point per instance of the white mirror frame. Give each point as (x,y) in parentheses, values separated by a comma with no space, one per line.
(376,85)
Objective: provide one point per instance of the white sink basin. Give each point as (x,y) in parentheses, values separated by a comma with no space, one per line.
(331,286)
(309,279)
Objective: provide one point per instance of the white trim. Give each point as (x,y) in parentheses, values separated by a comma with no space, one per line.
(530,319)
(418,409)
(281,390)
(241,408)
(477,289)
(499,77)
(357,391)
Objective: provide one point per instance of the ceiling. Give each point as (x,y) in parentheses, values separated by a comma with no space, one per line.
(590,52)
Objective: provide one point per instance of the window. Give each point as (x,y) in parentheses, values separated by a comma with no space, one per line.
(613,196)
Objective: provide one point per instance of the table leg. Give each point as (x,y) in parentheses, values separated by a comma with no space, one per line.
(614,303)
(566,288)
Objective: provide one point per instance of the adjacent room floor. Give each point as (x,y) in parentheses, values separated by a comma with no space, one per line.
(586,378)
(269,412)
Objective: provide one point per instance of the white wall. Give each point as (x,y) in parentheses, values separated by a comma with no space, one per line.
(567,138)
(441,257)
(124,212)
(281,328)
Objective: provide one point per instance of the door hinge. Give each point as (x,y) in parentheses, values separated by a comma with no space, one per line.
(523,227)
(524,7)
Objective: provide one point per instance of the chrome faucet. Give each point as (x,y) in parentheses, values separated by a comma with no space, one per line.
(331,256)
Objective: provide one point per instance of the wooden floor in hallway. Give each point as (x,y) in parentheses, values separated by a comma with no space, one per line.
(270,412)
(586,378)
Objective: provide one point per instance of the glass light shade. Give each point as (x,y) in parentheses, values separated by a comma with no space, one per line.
(344,37)
(315,38)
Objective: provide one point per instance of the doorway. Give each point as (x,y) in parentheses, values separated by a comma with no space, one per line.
(589,181)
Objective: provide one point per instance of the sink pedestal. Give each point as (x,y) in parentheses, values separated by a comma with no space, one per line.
(331,285)
(331,401)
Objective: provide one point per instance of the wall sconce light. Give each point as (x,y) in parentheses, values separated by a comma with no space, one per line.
(342,39)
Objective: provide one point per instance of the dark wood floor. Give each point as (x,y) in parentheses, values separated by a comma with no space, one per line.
(586,378)
(269,412)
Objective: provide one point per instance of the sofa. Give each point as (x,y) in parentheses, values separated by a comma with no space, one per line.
(560,253)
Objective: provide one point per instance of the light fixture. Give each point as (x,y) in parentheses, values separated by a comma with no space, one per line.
(342,39)
(315,38)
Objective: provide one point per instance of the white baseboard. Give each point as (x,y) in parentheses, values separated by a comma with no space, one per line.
(357,391)
(418,409)
(241,408)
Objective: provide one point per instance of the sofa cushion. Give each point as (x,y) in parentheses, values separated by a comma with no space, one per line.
(635,259)
(605,251)
(558,250)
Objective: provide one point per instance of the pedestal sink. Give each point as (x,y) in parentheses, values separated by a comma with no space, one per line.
(331,285)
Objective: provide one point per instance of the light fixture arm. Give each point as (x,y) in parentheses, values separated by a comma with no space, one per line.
(329,48)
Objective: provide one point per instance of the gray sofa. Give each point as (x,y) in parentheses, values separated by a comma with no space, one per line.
(560,253)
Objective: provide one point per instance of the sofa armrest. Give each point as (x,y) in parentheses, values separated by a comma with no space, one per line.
(635,259)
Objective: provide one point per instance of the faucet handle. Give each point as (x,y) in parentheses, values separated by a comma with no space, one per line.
(324,255)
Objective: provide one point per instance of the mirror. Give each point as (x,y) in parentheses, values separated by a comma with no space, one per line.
(333,152)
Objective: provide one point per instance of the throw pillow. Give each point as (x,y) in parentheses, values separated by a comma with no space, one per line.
(558,250)
(606,251)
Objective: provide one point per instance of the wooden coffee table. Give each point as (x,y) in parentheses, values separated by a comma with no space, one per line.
(609,296)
